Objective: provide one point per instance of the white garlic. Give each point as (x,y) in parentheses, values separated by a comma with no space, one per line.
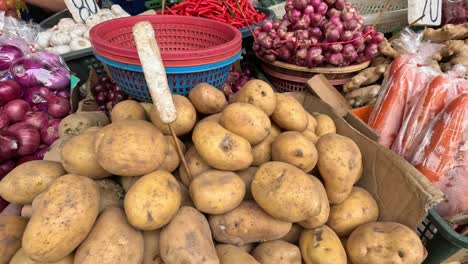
(119,11)
(65,23)
(59,38)
(86,33)
(43,39)
(92,20)
(80,43)
(61,49)
(78,30)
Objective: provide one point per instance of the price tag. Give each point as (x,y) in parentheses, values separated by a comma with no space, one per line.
(81,9)
(426,12)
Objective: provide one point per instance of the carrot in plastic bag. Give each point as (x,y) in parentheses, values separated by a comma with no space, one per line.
(442,155)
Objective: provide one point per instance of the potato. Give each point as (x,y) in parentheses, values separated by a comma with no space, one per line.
(54,152)
(358,209)
(79,157)
(112,194)
(229,254)
(310,135)
(247,223)
(63,218)
(258,93)
(340,165)
(312,123)
(220,148)
(196,165)
(153,200)
(186,117)
(147,107)
(217,192)
(207,99)
(11,231)
(293,148)
(322,246)
(285,192)
(172,160)
(278,252)
(214,118)
(128,109)
(151,252)
(29,179)
(21,258)
(384,242)
(262,151)
(247,247)
(74,124)
(293,235)
(112,240)
(325,125)
(289,114)
(128,182)
(187,239)
(247,176)
(322,217)
(130,148)
(247,121)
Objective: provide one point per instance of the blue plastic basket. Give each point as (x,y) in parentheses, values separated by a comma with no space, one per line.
(181,79)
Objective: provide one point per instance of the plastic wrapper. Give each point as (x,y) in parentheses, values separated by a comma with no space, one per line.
(442,155)
(404,80)
(440,91)
(17,29)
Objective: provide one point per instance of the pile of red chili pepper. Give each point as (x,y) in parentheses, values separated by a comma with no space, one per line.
(238,13)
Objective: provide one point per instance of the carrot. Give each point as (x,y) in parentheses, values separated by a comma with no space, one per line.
(442,155)
(397,63)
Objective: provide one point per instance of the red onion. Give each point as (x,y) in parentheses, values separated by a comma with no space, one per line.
(267,26)
(51,59)
(299,4)
(58,107)
(4,120)
(28,137)
(308,10)
(41,151)
(9,90)
(8,54)
(57,79)
(36,96)
(322,9)
(26,159)
(6,167)
(104,79)
(110,95)
(63,93)
(16,109)
(101,97)
(315,3)
(97,89)
(28,72)
(37,119)
(9,145)
(49,133)
(109,86)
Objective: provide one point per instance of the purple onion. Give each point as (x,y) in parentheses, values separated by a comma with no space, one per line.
(51,59)
(58,79)
(28,72)
(9,54)
(36,96)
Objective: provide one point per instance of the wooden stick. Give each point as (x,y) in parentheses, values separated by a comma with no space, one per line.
(155,75)
(387,5)
(163,6)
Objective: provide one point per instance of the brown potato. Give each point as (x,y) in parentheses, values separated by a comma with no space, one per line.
(186,117)
(152,254)
(187,239)
(247,121)
(11,231)
(293,235)
(262,151)
(384,242)
(229,254)
(322,246)
(320,219)
(217,192)
(247,176)
(21,258)
(153,200)
(247,223)
(325,125)
(147,107)
(128,109)
(29,179)
(63,218)
(285,192)
(79,157)
(112,240)
(207,99)
(74,124)
(312,123)
(278,252)
(214,118)
(112,194)
(196,165)
(220,148)
(130,148)
(258,93)
(289,114)
(247,247)
(293,148)
(127,182)
(310,135)
(358,209)
(340,165)
(172,160)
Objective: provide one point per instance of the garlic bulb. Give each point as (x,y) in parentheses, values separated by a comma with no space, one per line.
(78,30)
(61,49)
(65,23)
(80,43)
(59,38)
(119,11)
(86,33)
(43,39)
(92,20)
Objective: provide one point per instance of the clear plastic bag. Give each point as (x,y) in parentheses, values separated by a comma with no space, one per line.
(442,155)
(17,29)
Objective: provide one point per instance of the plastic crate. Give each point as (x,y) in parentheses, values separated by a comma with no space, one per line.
(440,240)
(393,20)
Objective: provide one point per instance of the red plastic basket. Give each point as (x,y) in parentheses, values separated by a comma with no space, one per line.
(183,41)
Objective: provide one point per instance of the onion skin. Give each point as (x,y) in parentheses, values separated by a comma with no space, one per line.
(9,90)
(28,136)
(9,145)
(50,133)
(16,109)
(37,119)
(36,96)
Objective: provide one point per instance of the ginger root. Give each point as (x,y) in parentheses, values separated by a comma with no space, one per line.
(385,48)
(454,52)
(380,60)
(363,96)
(365,77)
(447,32)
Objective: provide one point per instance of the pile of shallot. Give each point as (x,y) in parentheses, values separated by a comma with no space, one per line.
(107,94)
(34,97)
(316,33)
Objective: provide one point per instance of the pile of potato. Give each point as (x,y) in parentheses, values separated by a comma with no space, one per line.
(120,195)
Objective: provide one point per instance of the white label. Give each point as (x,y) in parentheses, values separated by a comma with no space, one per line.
(81,9)
(429,12)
